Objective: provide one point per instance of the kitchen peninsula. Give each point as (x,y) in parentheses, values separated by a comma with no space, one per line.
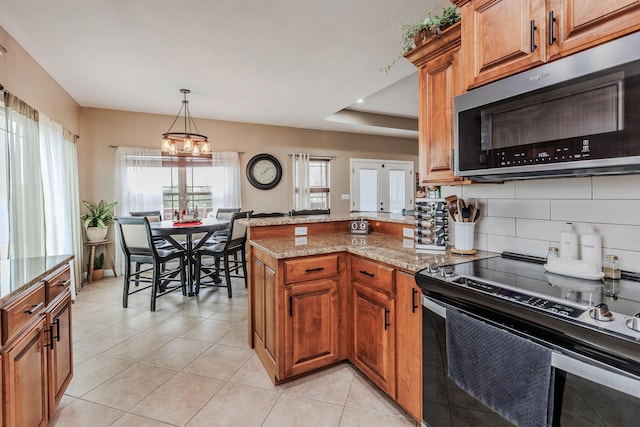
(319,295)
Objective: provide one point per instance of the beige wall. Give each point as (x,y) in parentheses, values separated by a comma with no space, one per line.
(26,79)
(101,128)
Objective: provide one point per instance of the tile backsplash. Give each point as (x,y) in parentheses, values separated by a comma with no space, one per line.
(528,216)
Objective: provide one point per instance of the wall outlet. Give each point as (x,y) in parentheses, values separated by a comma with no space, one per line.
(301,231)
(345,197)
(408,232)
(300,241)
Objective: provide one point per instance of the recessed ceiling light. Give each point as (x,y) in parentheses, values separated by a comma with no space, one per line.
(360,101)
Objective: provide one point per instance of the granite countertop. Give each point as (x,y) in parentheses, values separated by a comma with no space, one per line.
(306,219)
(16,275)
(376,246)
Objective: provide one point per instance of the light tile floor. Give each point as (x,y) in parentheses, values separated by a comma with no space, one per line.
(189,364)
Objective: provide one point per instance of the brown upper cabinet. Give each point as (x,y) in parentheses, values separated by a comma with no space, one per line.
(439,81)
(503,37)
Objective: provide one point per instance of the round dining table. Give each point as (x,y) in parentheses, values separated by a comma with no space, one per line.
(170,229)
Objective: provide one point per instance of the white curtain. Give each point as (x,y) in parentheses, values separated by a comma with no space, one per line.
(226,190)
(61,196)
(301,192)
(26,204)
(136,188)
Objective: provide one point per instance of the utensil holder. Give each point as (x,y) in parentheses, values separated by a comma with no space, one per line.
(464,235)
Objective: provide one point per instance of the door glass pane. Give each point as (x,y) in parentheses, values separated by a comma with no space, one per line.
(397,190)
(368,190)
(4,194)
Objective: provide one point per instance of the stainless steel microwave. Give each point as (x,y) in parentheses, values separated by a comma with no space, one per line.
(576,116)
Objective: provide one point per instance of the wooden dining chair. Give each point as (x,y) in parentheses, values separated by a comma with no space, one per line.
(138,247)
(233,245)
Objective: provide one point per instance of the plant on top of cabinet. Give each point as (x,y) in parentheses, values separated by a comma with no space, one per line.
(414,35)
(97,220)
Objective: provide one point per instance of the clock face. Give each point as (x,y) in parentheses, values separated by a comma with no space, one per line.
(264,171)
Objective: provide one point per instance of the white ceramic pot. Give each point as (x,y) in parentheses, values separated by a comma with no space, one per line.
(96,234)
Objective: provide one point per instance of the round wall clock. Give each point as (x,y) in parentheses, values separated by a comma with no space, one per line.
(264,171)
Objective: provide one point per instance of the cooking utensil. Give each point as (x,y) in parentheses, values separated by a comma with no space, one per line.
(453,211)
(476,215)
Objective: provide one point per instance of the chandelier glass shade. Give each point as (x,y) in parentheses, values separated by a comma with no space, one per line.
(187,141)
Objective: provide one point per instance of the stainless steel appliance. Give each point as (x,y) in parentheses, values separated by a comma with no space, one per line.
(588,325)
(574,116)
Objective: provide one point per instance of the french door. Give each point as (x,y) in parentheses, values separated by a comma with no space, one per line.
(381,185)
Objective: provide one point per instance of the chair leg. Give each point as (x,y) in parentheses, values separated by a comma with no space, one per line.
(155,283)
(125,289)
(244,266)
(227,274)
(183,276)
(137,273)
(198,265)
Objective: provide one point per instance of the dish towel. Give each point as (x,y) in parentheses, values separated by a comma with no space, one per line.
(509,374)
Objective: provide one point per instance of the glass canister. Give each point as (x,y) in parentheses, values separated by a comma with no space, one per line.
(611,267)
(553,253)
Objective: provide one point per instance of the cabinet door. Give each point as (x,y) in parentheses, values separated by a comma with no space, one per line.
(580,24)
(25,378)
(264,287)
(374,336)
(502,37)
(409,344)
(61,352)
(311,325)
(438,85)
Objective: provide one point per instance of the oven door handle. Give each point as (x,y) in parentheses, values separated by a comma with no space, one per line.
(605,377)
(608,377)
(434,307)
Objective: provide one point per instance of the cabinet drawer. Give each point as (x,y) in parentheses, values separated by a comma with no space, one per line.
(319,267)
(21,310)
(57,282)
(373,274)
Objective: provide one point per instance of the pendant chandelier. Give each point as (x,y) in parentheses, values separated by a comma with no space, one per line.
(191,143)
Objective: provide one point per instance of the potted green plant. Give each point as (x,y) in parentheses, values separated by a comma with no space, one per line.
(414,35)
(96,222)
(98,270)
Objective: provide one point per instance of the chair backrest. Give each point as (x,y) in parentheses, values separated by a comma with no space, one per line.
(268,214)
(153,216)
(226,213)
(310,212)
(237,230)
(135,235)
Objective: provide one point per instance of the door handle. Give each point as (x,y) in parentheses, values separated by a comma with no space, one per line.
(386,319)
(551,21)
(51,338)
(414,306)
(533,35)
(290,306)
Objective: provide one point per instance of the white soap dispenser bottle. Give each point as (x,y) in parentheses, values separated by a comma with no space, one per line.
(591,246)
(568,242)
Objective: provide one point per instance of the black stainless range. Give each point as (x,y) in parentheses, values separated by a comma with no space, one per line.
(591,327)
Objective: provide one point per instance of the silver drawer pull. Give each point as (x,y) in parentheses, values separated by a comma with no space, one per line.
(63,284)
(34,308)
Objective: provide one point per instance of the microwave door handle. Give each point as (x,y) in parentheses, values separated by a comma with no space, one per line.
(605,377)
(434,307)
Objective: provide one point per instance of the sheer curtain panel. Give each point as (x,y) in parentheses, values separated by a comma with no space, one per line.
(26,204)
(63,227)
(226,192)
(301,190)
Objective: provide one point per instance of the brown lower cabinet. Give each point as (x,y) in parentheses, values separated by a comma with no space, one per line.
(310,312)
(36,356)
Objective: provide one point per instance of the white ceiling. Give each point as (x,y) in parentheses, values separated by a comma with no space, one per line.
(281,62)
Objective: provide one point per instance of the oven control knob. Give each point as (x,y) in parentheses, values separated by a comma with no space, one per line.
(634,322)
(447,271)
(601,312)
(433,268)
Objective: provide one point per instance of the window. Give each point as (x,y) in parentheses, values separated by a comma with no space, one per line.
(147,182)
(4,191)
(311,182)
(319,183)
